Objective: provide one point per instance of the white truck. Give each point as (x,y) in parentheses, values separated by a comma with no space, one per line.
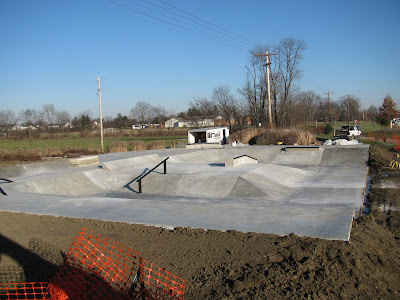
(348,131)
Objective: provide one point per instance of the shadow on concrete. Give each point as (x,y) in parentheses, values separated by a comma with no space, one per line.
(128,185)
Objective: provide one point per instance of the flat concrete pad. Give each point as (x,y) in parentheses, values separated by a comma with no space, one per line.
(309,192)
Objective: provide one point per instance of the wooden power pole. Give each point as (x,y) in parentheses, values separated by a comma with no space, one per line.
(101,117)
(268,86)
(329,106)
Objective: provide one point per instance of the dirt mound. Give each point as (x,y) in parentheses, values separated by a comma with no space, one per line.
(234,265)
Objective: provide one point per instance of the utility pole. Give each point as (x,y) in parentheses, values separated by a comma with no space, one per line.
(101,117)
(329,106)
(268,86)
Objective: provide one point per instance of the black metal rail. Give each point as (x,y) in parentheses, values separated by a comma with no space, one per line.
(144,175)
(5,181)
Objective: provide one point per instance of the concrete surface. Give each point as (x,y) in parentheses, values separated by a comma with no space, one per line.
(309,192)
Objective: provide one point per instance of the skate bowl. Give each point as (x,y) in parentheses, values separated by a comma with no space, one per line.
(309,191)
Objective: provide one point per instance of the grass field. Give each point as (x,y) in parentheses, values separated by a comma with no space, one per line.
(80,142)
(75,139)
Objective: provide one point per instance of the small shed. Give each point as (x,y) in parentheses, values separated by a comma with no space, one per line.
(211,135)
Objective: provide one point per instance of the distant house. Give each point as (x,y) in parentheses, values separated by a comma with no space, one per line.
(53,126)
(17,127)
(67,125)
(177,122)
(95,124)
(195,122)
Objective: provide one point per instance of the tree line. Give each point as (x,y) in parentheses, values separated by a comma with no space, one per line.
(290,106)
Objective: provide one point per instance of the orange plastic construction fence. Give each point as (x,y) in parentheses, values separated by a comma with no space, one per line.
(26,290)
(98,268)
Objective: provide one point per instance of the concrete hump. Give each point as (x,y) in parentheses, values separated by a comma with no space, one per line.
(244,189)
(129,163)
(184,185)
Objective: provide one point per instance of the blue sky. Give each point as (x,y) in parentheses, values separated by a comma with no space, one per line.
(51,52)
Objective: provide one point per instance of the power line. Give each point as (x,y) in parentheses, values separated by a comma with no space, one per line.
(223,38)
(248,42)
(175,25)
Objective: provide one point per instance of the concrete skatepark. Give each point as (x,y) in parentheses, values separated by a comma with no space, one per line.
(309,191)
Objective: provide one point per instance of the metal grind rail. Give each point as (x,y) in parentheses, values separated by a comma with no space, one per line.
(139,181)
(4,180)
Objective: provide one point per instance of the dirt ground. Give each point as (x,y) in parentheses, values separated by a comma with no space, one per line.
(235,265)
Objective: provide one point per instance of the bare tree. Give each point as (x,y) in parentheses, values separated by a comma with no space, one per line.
(28,116)
(306,106)
(160,114)
(7,117)
(49,113)
(142,111)
(285,71)
(203,107)
(63,117)
(349,108)
(227,104)
(372,113)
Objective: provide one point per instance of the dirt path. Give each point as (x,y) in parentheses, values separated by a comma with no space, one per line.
(234,265)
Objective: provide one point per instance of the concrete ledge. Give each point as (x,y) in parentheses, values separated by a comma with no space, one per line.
(240,160)
(204,146)
(83,161)
(302,148)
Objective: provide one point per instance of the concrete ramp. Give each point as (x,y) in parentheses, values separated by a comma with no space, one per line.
(83,183)
(345,156)
(299,156)
(131,163)
(76,185)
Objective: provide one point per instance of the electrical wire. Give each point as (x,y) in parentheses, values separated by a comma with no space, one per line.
(221,31)
(175,25)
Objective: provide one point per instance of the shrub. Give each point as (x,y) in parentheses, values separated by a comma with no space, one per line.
(273,136)
(383,121)
(328,129)
(247,135)
(305,138)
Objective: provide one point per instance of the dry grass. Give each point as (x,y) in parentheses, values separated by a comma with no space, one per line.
(156,145)
(306,138)
(117,147)
(52,151)
(21,155)
(89,150)
(286,137)
(137,145)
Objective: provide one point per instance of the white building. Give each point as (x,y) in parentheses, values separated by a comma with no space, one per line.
(209,135)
